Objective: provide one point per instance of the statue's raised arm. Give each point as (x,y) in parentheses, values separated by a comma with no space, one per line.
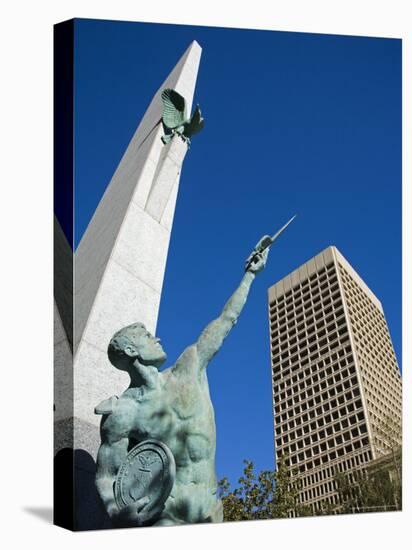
(162,426)
(214,334)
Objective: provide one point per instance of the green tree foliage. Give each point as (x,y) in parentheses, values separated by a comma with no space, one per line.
(267,495)
(274,494)
(368,491)
(390,432)
(379,486)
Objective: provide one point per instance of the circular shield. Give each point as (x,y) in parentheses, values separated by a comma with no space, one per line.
(146,477)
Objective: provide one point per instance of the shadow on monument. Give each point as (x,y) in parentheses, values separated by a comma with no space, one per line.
(77,506)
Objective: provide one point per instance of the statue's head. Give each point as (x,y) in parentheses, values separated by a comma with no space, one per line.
(135,342)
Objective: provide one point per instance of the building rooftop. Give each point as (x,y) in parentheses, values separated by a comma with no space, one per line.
(329,255)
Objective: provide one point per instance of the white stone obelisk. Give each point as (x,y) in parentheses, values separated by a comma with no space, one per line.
(121,259)
(120,262)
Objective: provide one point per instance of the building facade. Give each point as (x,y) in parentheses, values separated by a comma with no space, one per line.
(337,388)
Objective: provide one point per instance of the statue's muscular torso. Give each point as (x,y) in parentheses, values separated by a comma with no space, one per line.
(175,408)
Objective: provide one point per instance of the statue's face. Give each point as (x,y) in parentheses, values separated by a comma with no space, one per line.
(136,342)
(149,349)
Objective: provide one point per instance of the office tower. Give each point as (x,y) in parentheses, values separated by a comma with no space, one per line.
(336,381)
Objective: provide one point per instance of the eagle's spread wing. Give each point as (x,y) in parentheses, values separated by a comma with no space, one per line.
(196,123)
(174,107)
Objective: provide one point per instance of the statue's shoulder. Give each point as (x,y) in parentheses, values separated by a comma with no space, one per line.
(106,406)
(187,363)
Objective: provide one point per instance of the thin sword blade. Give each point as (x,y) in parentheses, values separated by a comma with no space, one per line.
(265,242)
(276,235)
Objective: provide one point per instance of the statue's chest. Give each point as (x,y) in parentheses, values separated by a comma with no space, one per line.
(153,417)
(183,420)
(160,413)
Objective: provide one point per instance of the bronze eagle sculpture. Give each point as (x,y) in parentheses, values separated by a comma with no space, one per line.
(175,120)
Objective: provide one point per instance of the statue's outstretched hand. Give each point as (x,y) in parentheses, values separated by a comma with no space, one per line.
(257,259)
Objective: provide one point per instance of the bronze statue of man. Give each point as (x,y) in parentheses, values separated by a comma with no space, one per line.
(172,407)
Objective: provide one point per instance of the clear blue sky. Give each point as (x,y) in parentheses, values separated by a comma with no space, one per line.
(295,123)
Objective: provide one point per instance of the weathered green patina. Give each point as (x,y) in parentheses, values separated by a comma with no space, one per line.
(175,120)
(172,407)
